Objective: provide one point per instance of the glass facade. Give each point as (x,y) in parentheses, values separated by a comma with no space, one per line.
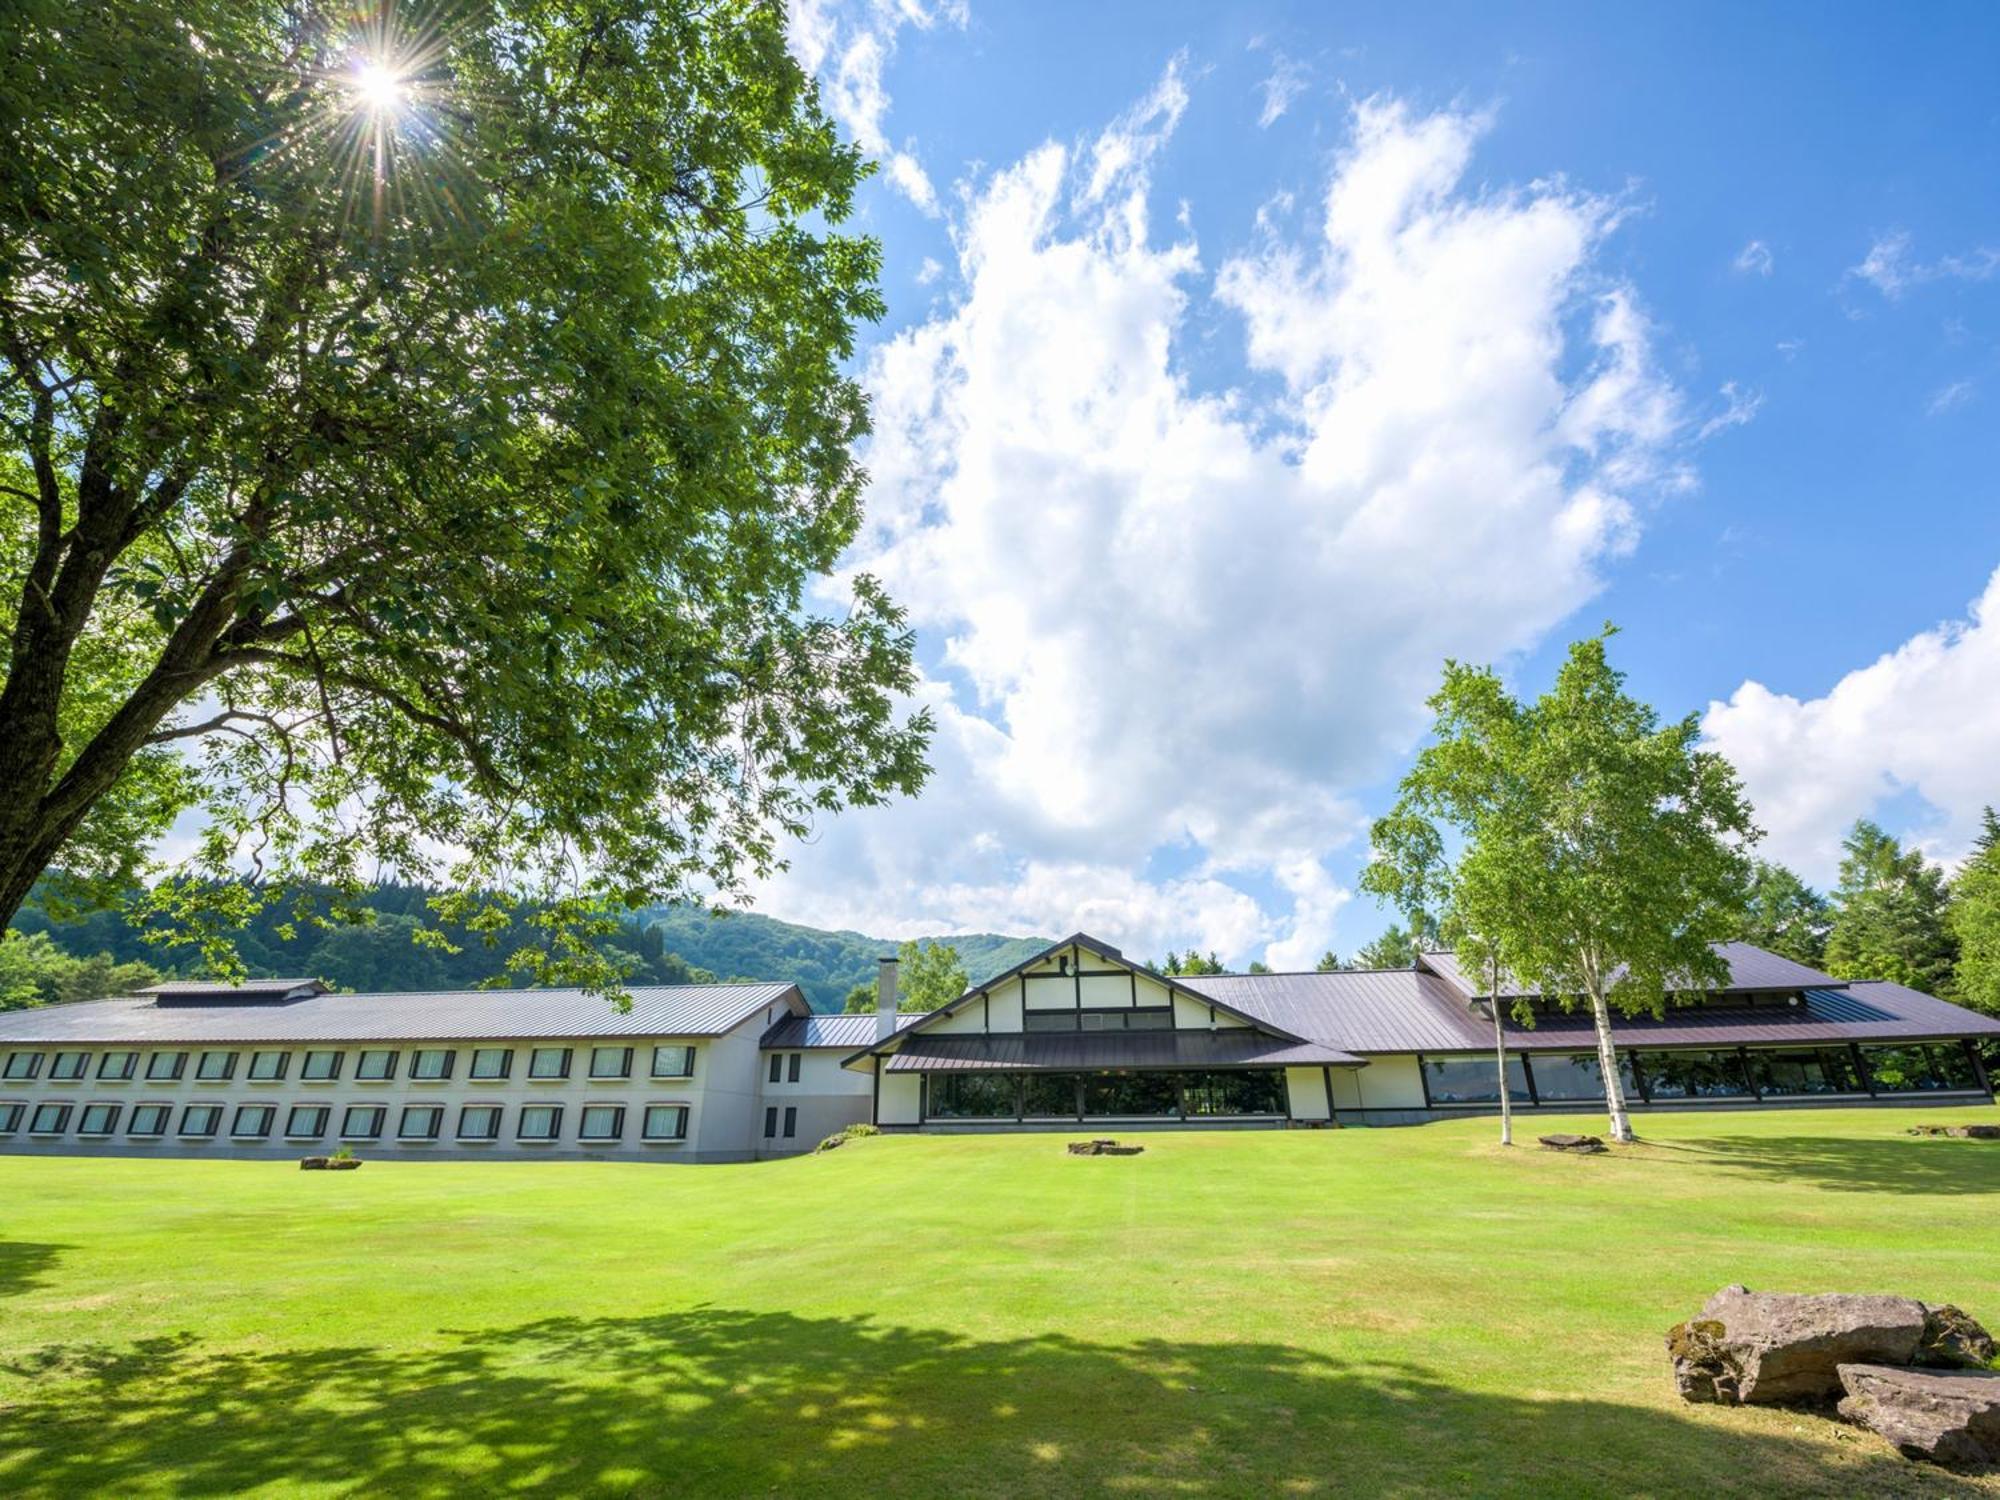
(1806,1070)
(1472,1080)
(1920,1068)
(1049,1096)
(1145,1095)
(1208,1094)
(1131,1095)
(1565,1076)
(973,1096)
(1694,1075)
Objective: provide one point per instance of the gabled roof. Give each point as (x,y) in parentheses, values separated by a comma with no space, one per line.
(1090,945)
(1751,969)
(1365,1010)
(819,1030)
(448,1015)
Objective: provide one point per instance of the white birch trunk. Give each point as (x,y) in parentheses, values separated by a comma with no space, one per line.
(1607,1064)
(1500,1058)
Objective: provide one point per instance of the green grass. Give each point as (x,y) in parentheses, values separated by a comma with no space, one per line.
(1388,1312)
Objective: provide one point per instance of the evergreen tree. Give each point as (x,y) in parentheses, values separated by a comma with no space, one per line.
(1787,916)
(1889,915)
(1974,919)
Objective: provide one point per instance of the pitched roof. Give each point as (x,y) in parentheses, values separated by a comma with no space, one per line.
(1237,1047)
(446,1015)
(1750,968)
(1366,1010)
(818,1030)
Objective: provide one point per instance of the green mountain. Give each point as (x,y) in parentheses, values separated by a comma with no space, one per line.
(670,945)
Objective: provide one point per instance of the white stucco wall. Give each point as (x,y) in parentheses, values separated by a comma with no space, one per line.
(826,1096)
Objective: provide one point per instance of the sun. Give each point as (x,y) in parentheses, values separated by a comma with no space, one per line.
(378,89)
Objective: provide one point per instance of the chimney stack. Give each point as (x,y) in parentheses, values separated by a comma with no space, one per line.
(885,998)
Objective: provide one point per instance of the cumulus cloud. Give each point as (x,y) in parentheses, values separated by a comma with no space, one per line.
(1174,627)
(1922,720)
(1892,269)
(1279,88)
(1754,259)
(848,46)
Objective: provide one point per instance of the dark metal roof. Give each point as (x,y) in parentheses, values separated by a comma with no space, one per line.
(223,988)
(1140,1050)
(1367,1010)
(842,1030)
(1750,968)
(446,1015)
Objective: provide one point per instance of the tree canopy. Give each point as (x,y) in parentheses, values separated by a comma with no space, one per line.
(1602,851)
(1974,919)
(1889,915)
(1786,915)
(423,425)
(928,975)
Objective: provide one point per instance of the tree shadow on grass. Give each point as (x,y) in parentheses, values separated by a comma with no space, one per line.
(1895,1163)
(715,1402)
(24,1264)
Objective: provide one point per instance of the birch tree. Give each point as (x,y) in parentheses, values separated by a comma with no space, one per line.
(1600,854)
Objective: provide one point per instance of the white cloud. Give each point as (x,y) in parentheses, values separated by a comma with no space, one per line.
(848,46)
(1754,259)
(1280,87)
(1923,719)
(1892,270)
(928,271)
(1176,626)
(1738,408)
(1950,397)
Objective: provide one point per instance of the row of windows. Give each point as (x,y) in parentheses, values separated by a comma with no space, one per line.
(1724,1074)
(371,1064)
(771,1121)
(786,1063)
(1076,1096)
(358,1122)
(1101,1018)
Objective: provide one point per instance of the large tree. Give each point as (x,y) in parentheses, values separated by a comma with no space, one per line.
(1974,918)
(423,424)
(928,975)
(1601,851)
(1786,915)
(1889,915)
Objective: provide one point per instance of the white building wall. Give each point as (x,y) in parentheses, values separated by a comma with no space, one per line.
(1306,1089)
(900,1100)
(826,1096)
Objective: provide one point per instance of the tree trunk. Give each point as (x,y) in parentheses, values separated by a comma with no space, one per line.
(1607,1064)
(1500,1057)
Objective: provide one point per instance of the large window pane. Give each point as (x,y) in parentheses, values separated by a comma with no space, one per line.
(1130,1094)
(1901,1070)
(1245,1093)
(1811,1070)
(1570,1075)
(972,1096)
(1695,1075)
(1049,1096)
(1049,1020)
(1949,1062)
(1471,1080)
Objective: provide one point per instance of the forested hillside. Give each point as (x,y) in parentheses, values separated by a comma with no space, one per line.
(665,946)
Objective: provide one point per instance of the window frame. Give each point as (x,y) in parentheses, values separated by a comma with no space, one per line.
(777,1067)
(687,1055)
(555,1114)
(417,1056)
(624,1064)
(306,1075)
(251,1075)
(63,1110)
(83,1120)
(213,1113)
(617,1132)
(436,1112)
(568,1056)
(238,1133)
(506,1056)
(166,1113)
(770,1122)
(78,1071)
(791,1130)
(381,1117)
(12,1072)
(228,1073)
(293,1133)
(646,1132)
(361,1057)
(792,1067)
(499,1113)
(175,1075)
(11,1116)
(131,1066)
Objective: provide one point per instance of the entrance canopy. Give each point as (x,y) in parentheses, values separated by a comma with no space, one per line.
(1045,1051)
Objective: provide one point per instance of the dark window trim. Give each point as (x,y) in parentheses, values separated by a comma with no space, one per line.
(771,1121)
(625,1067)
(681,1125)
(83,1120)
(34,1067)
(166,1112)
(179,1071)
(339,1061)
(11,1115)
(450,1065)
(379,1111)
(228,1072)
(213,1112)
(777,1067)
(617,1132)
(236,1130)
(436,1112)
(568,1056)
(506,1065)
(131,1066)
(251,1075)
(499,1120)
(361,1057)
(791,1131)
(61,1126)
(687,1056)
(555,1123)
(792,1067)
(325,1113)
(77,1075)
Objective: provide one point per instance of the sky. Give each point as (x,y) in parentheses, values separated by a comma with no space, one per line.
(1244,362)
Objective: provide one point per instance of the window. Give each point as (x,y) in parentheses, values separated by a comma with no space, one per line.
(253,1120)
(1470,1080)
(1125,1018)
(431,1064)
(362,1122)
(1814,1070)
(673,1062)
(1918,1069)
(770,1121)
(306,1122)
(421,1122)
(548,1062)
(201,1119)
(215,1067)
(149,1119)
(792,1067)
(492,1062)
(320,1067)
(49,1119)
(1049,1096)
(1231,1093)
(1694,1075)
(971,1096)
(118,1066)
(1575,1075)
(98,1119)
(10,1117)
(539,1122)
(610,1062)
(777,1070)
(268,1067)
(374,1065)
(1048,1020)
(1130,1094)
(67,1067)
(479,1122)
(791,1121)
(166,1067)
(664,1122)
(601,1122)
(21,1066)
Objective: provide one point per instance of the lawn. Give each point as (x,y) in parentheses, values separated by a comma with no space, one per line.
(1365,1312)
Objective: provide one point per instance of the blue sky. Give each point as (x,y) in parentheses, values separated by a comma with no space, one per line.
(1242,361)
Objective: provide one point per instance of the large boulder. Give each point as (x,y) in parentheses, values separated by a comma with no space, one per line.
(1588,1145)
(1949,1418)
(1773,1347)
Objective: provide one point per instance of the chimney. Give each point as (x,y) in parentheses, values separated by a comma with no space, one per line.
(885,998)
